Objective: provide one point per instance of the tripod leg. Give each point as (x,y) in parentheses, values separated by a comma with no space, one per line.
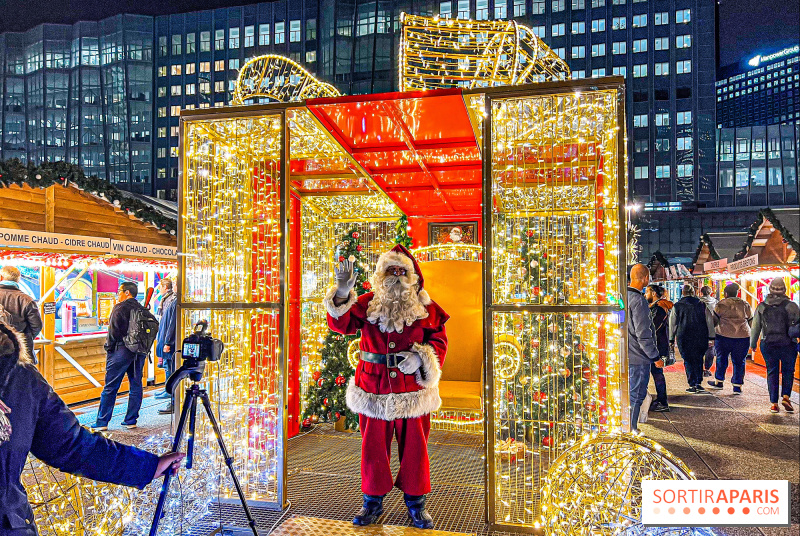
(190,441)
(228,460)
(188,403)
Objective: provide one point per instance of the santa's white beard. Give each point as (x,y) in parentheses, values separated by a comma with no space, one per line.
(395,302)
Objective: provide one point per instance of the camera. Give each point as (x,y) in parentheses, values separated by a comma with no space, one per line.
(197,349)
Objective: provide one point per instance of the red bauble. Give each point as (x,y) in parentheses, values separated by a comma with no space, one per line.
(587,372)
(316,375)
(306,422)
(547,441)
(536,291)
(321,382)
(355,234)
(366,285)
(325,401)
(548,368)
(551,424)
(510,396)
(341,258)
(338,416)
(538,396)
(530,232)
(535,344)
(359,248)
(590,407)
(565,372)
(340,380)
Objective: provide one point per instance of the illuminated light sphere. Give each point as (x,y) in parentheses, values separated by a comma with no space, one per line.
(353,352)
(507,356)
(607,469)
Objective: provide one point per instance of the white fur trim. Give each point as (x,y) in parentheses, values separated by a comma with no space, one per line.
(429,373)
(424,298)
(392,406)
(338,310)
(25,355)
(393,258)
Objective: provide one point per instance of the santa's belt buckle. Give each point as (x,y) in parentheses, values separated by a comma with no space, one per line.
(392,361)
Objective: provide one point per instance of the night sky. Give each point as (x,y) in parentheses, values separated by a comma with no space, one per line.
(747,27)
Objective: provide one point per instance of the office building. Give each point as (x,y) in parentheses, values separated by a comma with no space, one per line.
(81,93)
(762,89)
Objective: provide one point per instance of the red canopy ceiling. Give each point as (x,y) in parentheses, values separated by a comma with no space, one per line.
(419,147)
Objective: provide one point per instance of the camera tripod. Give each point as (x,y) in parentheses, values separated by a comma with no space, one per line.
(189,409)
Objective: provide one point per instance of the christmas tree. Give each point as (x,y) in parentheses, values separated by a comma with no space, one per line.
(325,397)
(401,232)
(542,367)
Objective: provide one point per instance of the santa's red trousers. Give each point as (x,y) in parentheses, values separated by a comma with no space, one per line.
(414,477)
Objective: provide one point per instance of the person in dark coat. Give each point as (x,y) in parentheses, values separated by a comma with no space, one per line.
(23,310)
(692,325)
(33,419)
(660,308)
(121,361)
(165,343)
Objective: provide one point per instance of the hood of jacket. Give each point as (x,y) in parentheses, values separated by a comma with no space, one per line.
(775,299)
(13,350)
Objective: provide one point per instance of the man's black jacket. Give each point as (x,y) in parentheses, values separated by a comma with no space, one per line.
(33,419)
(23,310)
(118,323)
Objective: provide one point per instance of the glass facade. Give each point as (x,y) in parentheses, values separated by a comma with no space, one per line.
(757,166)
(763,90)
(81,93)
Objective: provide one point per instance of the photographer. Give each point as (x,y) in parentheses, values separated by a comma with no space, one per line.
(33,419)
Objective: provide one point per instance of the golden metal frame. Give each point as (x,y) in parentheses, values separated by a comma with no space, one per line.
(280,78)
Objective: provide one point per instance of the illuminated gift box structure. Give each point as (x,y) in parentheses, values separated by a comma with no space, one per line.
(266,192)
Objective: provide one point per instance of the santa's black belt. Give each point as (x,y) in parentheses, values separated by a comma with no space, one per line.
(390,360)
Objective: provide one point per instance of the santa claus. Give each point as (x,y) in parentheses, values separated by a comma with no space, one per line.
(395,387)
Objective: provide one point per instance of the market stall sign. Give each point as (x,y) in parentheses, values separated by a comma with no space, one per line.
(715,265)
(49,308)
(744,264)
(23,239)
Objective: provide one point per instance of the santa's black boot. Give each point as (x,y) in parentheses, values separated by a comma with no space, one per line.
(417,512)
(370,512)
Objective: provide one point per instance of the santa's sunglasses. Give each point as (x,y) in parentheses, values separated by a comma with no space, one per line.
(396,271)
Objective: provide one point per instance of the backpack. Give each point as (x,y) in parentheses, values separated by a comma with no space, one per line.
(5,317)
(142,331)
(775,324)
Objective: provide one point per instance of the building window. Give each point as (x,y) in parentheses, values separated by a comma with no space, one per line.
(640,146)
(598,3)
(561,52)
(559,6)
(662,119)
(233,64)
(294,31)
(662,69)
(619,23)
(640,71)
(640,45)
(174,111)
(576,75)
(662,18)
(311,29)
(618,2)
(311,56)
(219,40)
(775,178)
(661,43)
(175,91)
(176,45)
(620,71)
(684,118)
(205,41)
(662,172)
(662,145)
(598,50)
(578,27)
(599,25)
(162,111)
(500,10)
(463,9)
(219,65)
(249,36)
(640,120)
(578,52)
(640,21)
(685,170)
(176,70)
(190,43)
(683,16)
(482,9)
(559,29)
(519,8)
(684,143)
(683,41)
(619,47)
(219,86)
(537,7)
(205,87)
(162,91)
(173,152)
(683,67)
(539,31)
(162,132)
(162,173)
(263,34)
(162,152)
(280,33)
(205,66)
(174,131)
(190,68)
(162,46)
(596,73)
(641,172)
(726,178)
(578,4)
(162,71)
(191,89)
(445,10)
(233,38)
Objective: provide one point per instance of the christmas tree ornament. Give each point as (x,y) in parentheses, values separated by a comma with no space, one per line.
(565,351)
(321,382)
(316,375)
(341,380)
(306,422)
(315,418)
(534,263)
(565,373)
(355,234)
(351,258)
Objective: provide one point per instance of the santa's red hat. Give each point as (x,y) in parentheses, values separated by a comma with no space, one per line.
(400,256)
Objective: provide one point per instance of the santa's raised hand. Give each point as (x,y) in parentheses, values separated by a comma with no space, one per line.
(345,277)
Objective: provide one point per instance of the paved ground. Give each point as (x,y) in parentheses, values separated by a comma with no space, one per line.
(719,436)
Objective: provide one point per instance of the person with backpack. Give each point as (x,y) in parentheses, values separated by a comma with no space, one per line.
(692,325)
(132,329)
(17,309)
(732,317)
(773,321)
(165,343)
(660,308)
(711,302)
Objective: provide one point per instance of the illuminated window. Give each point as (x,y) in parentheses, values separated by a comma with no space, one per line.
(662,119)
(174,131)
(249,36)
(294,31)
(176,45)
(599,50)
(233,63)
(191,89)
(662,172)
(162,111)
(175,91)
(190,43)
(205,41)
(205,66)
(162,71)
(500,10)
(683,16)
(174,111)
(640,120)
(621,71)
(640,45)
(219,40)
(599,25)
(233,38)
(558,6)
(578,4)
(684,118)
(640,71)
(519,8)
(660,19)
(619,23)
(280,33)
(596,73)
(263,34)
(640,21)
(482,9)
(578,52)
(641,172)
(683,67)
(176,70)
(661,43)
(619,47)
(662,69)
(219,65)
(559,29)
(311,56)
(445,9)
(463,9)
(578,27)
(684,143)
(190,68)
(683,41)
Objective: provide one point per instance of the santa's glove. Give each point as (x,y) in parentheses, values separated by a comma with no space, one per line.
(345,278)
(411,362)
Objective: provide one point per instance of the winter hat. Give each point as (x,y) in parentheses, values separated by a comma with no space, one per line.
(400,256)
(777,286)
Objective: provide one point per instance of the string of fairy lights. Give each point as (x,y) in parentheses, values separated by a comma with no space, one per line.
(278,78)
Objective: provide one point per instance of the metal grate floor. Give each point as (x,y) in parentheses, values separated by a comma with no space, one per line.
(324,482)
